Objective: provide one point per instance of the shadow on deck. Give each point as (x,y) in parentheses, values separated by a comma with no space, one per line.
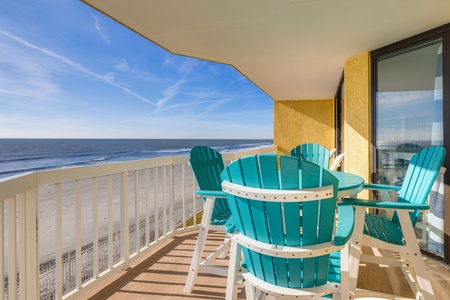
(163,273)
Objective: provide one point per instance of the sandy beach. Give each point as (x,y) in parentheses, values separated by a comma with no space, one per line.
(47,206)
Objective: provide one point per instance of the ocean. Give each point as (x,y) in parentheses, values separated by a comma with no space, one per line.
(30,155)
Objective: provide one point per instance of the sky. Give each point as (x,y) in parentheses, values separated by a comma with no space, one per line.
(68,71)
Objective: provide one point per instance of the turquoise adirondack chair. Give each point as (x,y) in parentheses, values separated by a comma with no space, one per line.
(314,153)
(207,165)
(396,234)
(284,216)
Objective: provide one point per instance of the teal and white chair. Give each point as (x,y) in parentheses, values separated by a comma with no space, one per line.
(396,234)
(314,153)
(207,165)
(284,213)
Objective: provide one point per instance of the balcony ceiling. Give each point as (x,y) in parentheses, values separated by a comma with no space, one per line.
(292,50)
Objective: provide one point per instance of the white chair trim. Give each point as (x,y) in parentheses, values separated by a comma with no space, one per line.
(277,195)
(285,251)
(283,292)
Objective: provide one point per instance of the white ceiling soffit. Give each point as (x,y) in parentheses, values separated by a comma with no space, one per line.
(291,49)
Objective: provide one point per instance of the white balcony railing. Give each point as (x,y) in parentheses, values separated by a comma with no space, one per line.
(64,231)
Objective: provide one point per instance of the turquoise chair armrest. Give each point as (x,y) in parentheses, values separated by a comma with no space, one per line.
(346,218)
(229,226)
(384,204)
(376,186)
(217,194)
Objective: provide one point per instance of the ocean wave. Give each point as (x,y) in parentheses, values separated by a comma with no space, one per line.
(22,155)
(171,150)
(245,148)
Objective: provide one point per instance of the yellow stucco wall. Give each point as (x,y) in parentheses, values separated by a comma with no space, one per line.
(303,121)
(312,121)
(356,115)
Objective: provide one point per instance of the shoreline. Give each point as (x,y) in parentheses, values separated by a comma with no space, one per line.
(47,208)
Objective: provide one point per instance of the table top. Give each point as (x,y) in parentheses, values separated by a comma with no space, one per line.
(349,184)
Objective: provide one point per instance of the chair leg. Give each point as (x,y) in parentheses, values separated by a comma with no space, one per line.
(249,291)
(408,271)
(345,269)
(199,245)
(421,272)
(224,251)
(233,270)
(356,248)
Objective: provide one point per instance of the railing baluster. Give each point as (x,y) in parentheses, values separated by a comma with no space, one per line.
(32,250)
(136,209)
(58,260)
(95,224)
(22,247)
(156,205)
(194,198)
(164,200)
(110,223)
(147,207)
(2,249)
(172,202)
(78,261)
(124,222)
(12,248)
(183,189)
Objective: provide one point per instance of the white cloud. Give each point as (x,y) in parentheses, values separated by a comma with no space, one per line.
(168,94)
(188,65)
(108,78)
(215,104)
(101,31)
(122,65)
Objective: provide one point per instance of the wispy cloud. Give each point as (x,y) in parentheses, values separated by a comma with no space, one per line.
(122,65)
(101,30)
(188,65)
(209,94)
(168,94)
(108,78)
(213,106)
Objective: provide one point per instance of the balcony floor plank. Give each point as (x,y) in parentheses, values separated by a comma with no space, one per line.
(162,275)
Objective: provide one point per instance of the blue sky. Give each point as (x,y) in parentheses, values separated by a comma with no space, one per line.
(67,71)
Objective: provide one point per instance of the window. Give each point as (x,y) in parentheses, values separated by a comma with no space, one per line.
(408,115)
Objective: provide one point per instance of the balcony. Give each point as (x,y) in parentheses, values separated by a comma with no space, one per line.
(123,230)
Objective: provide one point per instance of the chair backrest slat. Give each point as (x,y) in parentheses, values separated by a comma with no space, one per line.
(314,153)
(283,223)
(422,171)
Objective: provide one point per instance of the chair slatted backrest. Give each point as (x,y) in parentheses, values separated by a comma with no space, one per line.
(314,153)
(207,165)
(422,171)
(283,224)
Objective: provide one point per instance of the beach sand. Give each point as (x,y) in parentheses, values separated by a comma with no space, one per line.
(47,206)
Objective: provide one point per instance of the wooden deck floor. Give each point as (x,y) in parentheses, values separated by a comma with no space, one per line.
(163,274)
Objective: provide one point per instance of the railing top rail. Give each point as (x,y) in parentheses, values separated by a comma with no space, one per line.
(16,184)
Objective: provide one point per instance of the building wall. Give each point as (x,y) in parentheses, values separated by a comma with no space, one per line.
(357,116)
(303,121)
(312,121)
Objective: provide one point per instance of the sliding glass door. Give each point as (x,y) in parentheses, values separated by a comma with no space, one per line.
(408,116)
